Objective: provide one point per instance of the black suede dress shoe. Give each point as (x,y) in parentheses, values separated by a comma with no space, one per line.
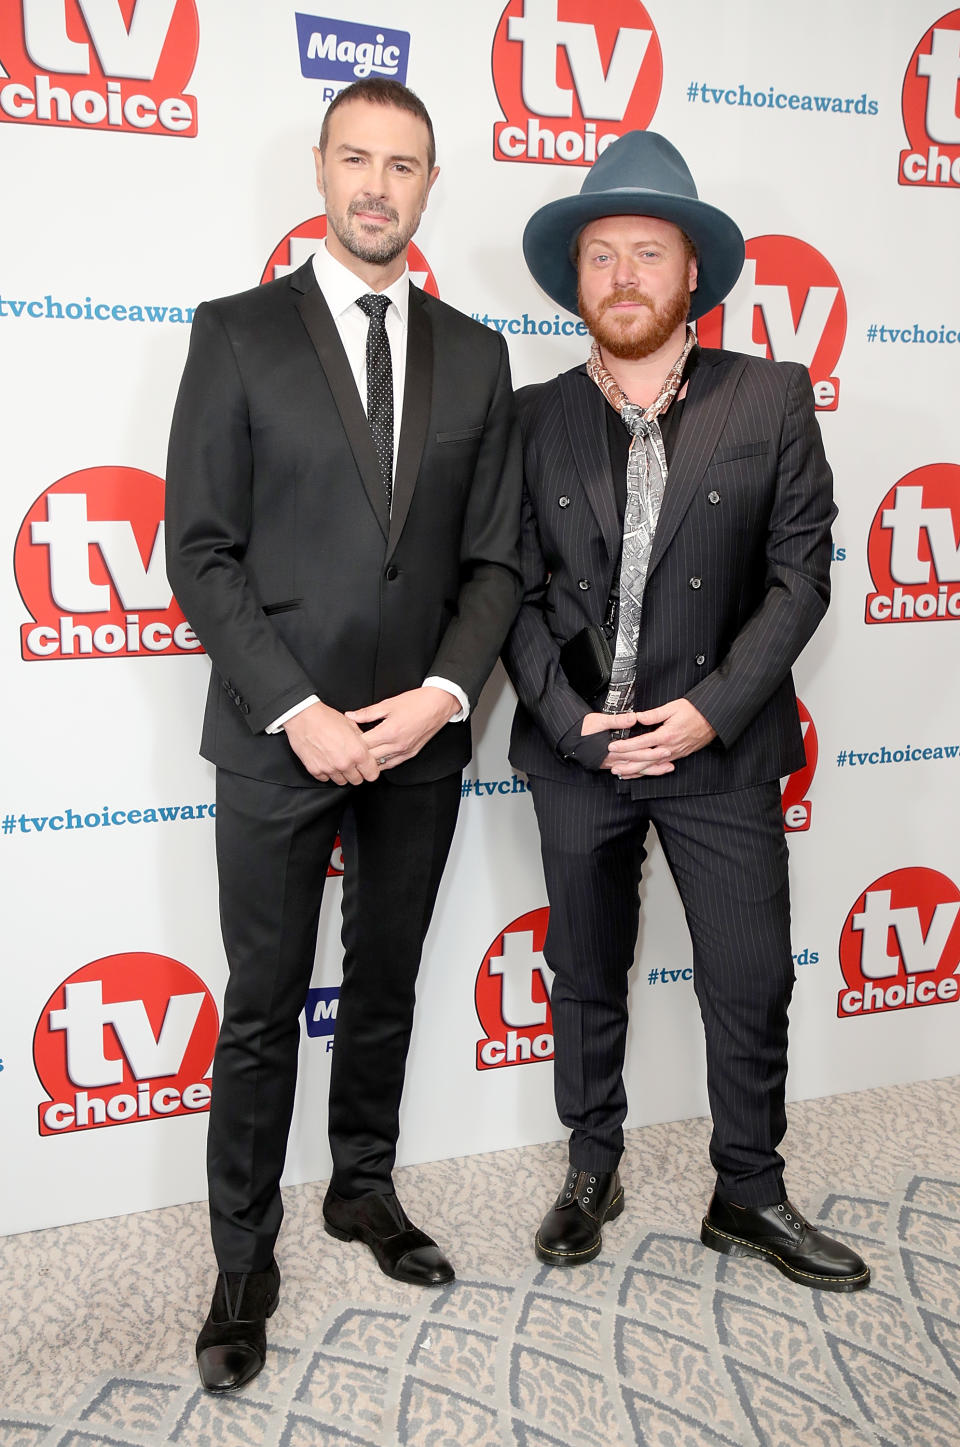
(402,1250)
(232,1345)
(780,1235)
(570,1233)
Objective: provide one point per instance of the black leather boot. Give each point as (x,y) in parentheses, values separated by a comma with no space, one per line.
(401,1249)
(780,1235)
(232,1345)
(570,1233)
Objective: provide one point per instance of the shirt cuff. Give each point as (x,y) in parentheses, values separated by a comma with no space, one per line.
(278,723)
(458,694)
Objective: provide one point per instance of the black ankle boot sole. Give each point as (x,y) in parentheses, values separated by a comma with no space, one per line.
(736,1246)
(339,1235)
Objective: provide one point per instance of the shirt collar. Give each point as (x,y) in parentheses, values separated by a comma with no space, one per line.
(341,287)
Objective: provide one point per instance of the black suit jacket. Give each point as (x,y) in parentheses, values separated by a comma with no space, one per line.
(738,577)
(280,548)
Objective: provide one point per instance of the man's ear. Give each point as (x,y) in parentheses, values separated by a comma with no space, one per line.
(430,180)
(318,162)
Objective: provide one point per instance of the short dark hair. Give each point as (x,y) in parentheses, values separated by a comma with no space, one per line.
(381,91)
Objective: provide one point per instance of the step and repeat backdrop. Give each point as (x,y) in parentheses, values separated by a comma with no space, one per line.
(157,152)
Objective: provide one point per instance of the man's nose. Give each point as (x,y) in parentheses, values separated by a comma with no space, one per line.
(377,180)
(625,272)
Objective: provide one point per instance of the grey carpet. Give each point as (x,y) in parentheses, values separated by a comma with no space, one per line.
(658,1342)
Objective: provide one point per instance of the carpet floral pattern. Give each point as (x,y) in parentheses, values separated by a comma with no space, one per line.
(659,1342)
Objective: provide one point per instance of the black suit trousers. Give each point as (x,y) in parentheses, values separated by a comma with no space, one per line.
(728,857)
(273,847)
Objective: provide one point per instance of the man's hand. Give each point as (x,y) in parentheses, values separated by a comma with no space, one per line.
(404,723)
(598,723)
(330,746)
(683,730)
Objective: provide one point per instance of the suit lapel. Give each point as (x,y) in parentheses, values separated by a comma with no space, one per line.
(583,410)
(322,331)
(417,398)
(705,410)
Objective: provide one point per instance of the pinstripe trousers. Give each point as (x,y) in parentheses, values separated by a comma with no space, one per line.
(728,856)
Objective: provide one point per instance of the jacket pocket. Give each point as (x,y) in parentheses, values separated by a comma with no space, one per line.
(739,450)
(466,434)
(285,607)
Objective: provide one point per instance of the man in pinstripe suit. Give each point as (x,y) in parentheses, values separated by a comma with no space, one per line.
(676,550)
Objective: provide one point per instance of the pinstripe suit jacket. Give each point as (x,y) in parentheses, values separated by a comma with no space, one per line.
(738,578)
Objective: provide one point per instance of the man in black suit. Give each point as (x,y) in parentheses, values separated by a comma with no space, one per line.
(676,551)
(342,523)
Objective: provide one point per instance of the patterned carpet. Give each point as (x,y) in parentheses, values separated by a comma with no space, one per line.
(658,1342)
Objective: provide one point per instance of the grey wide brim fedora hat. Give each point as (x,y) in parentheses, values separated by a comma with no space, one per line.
(641,174)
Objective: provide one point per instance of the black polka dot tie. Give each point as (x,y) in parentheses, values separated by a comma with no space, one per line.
(379,385)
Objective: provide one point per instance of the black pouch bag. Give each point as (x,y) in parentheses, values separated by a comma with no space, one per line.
(587,661)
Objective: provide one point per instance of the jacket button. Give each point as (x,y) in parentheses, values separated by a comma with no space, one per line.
(392,574)
(244,708)
(584,585)
(695,583)
(713,497)
(563,501)
(700,660)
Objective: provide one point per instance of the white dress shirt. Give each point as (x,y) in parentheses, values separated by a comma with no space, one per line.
(341,288)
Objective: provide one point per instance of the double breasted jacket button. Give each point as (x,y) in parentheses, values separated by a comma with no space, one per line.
(700,660)
(563,501)
(584,585)
(713,497)
(694,583)
(392,574)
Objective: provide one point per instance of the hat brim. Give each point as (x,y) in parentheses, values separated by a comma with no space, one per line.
(550,233)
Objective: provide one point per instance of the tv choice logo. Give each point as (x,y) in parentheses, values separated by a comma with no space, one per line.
(300,243)
(913,551)
(788,304)
(89,563)
(126,1038)
(337,50)
(335,864)
(572,77)
(900,944)
(101,65)
(512,995)
(797,809)
(930,102)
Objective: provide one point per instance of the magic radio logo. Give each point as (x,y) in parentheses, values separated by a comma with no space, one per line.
(913,551)
(797,809)
(931,108)
(90,568)
(788,304)
(512,995)
(299,245)
(571,77)
(344,51)
(103,65)
(126,1038)
(900,944)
